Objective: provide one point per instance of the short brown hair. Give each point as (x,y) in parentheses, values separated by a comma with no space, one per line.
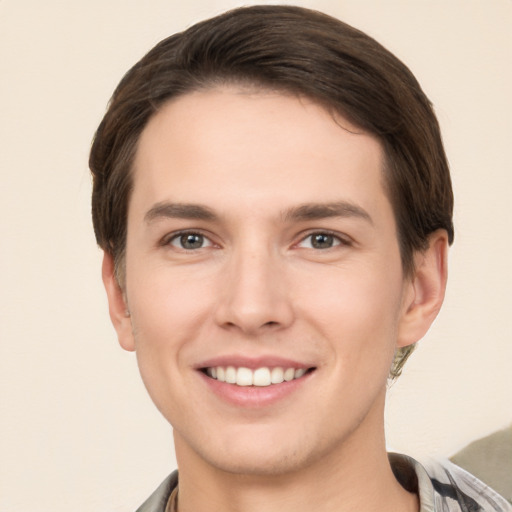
(293,50)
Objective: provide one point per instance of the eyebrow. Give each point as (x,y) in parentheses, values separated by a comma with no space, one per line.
(317,211)
(179,211)
(303,212)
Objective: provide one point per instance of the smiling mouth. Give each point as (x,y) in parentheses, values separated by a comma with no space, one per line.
(259,377)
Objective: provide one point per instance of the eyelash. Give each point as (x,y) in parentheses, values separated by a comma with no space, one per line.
(168,240)
(336,238)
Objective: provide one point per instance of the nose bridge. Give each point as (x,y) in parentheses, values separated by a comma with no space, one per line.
(255,294)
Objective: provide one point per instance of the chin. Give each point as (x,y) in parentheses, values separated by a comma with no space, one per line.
(257,453)
(265,463)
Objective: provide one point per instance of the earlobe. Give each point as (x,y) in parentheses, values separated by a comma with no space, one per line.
(425,291)
(118,308)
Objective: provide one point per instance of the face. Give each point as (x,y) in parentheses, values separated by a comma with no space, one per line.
(263,279)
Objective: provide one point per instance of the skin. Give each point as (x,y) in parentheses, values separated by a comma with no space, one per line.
(257,287)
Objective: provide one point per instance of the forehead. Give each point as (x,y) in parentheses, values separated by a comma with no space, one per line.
(249,148)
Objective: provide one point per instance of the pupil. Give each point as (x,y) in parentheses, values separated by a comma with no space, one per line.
(191,241)
(322,241)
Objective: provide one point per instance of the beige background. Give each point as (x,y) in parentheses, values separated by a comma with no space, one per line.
(77,431)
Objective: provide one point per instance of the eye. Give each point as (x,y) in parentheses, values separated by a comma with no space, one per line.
(190,241)
(320,240)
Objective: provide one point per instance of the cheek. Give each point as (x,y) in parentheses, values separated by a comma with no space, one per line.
(166,296)
(167,309)
(358,311)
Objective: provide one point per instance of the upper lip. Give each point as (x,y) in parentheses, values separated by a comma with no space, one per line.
(253,363)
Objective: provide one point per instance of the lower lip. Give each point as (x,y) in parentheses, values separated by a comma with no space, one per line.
(254,396)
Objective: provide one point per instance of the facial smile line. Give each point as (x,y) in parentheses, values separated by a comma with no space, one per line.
(263,376)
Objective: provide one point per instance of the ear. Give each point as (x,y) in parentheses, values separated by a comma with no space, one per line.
(424,293)
(117,306)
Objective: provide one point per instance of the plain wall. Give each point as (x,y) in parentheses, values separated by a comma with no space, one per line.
(77,430)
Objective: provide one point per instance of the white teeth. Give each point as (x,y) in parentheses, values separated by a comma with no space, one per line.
(289,374)
(299,373)
(231,374)
(244,377)
(277,375)
(263,376)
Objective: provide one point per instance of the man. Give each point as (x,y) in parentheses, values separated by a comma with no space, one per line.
(274,203)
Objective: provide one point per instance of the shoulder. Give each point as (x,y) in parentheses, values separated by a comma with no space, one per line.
(444,487)
(452,484)
(157,502)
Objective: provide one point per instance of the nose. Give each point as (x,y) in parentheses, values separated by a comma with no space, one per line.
(254,296)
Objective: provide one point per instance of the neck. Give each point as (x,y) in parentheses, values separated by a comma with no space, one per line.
(356,475)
